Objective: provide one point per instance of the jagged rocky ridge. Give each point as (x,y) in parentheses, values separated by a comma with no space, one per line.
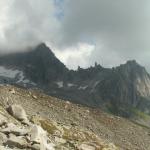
(122,90)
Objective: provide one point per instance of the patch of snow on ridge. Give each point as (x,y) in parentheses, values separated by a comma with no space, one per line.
(96,83)
(18,75)
(83,87)
(9,73)
(26,81)
(70,85)
(22,79)
(94,86)
(60,84)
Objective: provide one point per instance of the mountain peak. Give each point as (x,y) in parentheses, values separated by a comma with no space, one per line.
(132,62)
(43,49)
(42,46)
(132,66)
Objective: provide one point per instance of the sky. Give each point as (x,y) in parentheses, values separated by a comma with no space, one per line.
(80,32)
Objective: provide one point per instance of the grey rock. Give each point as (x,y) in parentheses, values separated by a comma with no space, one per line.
(86,147)
(14,129)
(6,148)
(39,136)
(16,142)
(35,147)
(18,112)
(3,138)
(3,120)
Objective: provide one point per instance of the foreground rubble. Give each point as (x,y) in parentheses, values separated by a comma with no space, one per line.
(68,126)
(19,133)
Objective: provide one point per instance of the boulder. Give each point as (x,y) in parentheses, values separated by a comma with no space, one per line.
(6,148)
(3,120)
(18,112)
(12,91)
(16,130)
(35,146)
(86,147)
(39,136)
(16,142)
(3,138)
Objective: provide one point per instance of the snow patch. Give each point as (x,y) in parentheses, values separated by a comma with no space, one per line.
(83,87)
(15,74)
(9,73)
(60,84)
(20,77)
(96,83)
(70,84)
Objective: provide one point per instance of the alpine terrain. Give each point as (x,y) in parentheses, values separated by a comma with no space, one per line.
(46,106)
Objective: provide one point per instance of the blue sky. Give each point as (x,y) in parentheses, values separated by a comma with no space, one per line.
(60,8)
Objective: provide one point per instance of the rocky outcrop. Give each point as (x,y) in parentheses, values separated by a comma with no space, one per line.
(41,134)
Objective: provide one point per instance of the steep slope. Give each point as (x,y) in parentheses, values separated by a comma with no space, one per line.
(20,132)
(54,114)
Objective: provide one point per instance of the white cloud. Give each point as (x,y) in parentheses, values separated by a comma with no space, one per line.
(119,29)
(76,55)
(26,23)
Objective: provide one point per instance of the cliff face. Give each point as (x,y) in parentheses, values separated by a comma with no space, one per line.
(121,90)
(127,87)
(137,77)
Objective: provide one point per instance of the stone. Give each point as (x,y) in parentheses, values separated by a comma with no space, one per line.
(110,146)
(39,136)
(18,131)
(12,91)
(18,112)
(6,148)
(16,142)
(35,97)
(3,120)
(50,146)
(35,146)
(3,138)
(60,140)
(86,147)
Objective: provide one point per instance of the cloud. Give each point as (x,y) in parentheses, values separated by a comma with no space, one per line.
(79,31)
(119,29)
(75,55)
(26,23)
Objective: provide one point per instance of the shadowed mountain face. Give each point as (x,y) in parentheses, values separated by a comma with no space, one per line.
(39,65)
(124,89)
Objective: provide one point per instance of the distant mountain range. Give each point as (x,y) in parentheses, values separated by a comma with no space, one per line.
(123,90)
